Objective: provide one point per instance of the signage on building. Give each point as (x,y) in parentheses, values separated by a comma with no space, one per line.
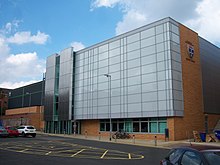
(190,51)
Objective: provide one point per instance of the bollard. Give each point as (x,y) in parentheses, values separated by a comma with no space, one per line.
(155,140)
(133,139)
(115,137)
(99,135)
(86,134)
(64,131)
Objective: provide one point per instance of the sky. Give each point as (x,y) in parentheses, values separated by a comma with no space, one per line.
(32,30)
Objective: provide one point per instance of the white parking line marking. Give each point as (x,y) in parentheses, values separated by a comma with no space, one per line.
(23,150)
(104,154)
(78,152)
(48,153)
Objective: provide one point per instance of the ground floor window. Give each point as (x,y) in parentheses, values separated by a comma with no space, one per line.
(143,125)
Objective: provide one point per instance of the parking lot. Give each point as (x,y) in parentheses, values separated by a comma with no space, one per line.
(63,149)
(71,150)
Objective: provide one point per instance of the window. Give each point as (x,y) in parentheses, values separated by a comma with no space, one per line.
(212,157)
(175,155)
(136,127)
(190,157)
(144,126)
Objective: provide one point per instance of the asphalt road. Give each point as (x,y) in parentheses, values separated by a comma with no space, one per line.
(52,150)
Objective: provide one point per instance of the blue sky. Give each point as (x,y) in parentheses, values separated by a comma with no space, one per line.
(31,30)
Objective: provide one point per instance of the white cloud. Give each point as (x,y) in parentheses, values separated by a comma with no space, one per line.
(11,85)
(26,37)
(208,22)
(200,15)
(22,59)
(22,68)
(104,3)
(77,46)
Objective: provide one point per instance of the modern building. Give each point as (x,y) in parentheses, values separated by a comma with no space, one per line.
(159,76)
(25,106)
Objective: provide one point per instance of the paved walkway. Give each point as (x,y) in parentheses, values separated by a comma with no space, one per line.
(139,142)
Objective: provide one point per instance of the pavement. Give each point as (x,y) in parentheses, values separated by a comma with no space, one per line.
(137,142)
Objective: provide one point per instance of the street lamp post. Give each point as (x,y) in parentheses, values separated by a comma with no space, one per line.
(110,117)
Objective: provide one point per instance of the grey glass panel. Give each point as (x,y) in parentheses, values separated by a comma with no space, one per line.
(134,89)
(103,71)
(175,47)
(133,38)
(161,66)
(148,68)
(134,107)
(102,86)
(103,63)
(134,72)
(160,47)
(147,42)
(178,105)
(103,48)
(115,83)
(149,78)
(114,60)
(159,38)
(176,66)
(95,58)
(175,38)
(150,96)
(159,29)
(114,68)
(148,50)
(114,44)
(133,46)
(133,63)
(115,108)
(134,80)
(175,29)
(115,100)
(115,75)
(133,54)
(177,75)
(103,56)
(116,92)
(149,87)
(114,52)
(161,75)
(178,95)
(148,59)
(177,85)
(148,33)
(162,105)
(176,56)
(150,106)
(103,93)
(162,95)
(103,101)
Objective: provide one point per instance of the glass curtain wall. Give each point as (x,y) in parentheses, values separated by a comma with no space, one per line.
(146,75)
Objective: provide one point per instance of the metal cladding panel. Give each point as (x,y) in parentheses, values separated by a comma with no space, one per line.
(210,62)
(48,106)
(65,84)
(49,88)
(15,103)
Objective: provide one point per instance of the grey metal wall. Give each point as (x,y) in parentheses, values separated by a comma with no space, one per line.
(210,62)
(49,87)
(65,85)
(30,95)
